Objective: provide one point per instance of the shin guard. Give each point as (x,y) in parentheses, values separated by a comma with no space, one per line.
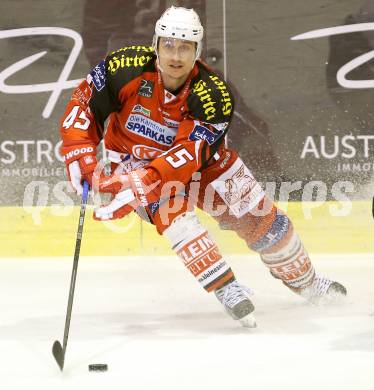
(284,254)
(199,253)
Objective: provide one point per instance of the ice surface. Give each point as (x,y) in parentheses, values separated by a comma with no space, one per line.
(149,320)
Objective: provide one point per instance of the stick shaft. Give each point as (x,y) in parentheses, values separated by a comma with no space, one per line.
(75,264)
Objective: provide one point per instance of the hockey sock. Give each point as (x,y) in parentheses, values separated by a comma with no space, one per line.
(284,254)
(199,253)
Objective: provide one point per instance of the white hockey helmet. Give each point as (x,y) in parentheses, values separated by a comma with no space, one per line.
(180,23)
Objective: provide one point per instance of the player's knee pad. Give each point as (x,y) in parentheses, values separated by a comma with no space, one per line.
(198,251)
(283,253)
(184,227)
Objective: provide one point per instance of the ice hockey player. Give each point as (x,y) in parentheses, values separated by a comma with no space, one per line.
(168,115)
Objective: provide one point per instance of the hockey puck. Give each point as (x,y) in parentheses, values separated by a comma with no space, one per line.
(98,367)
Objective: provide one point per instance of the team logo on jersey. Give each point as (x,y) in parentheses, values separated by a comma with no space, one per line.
(99,76)
(150,129)
(203,133)
(143,152)
(146,88)
(139,108)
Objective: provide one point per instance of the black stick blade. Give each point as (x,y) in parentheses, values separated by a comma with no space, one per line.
(58,353)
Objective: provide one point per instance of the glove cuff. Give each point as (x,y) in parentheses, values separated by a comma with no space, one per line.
(76,152)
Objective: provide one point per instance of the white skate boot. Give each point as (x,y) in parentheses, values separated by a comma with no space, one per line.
(235,300)
(322,291)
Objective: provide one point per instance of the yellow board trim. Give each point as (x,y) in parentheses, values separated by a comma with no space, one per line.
(51,231)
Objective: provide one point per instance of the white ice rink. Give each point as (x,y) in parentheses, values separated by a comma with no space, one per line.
(156,329)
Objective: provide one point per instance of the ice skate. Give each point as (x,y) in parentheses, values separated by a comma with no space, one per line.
(235,300)
(322,291)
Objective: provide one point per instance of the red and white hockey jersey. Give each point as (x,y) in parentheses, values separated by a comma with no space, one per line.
(178,133)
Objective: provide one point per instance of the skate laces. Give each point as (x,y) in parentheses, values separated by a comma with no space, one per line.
(319,286)
(232,294)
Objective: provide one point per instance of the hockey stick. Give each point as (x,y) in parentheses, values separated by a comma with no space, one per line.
(59,351)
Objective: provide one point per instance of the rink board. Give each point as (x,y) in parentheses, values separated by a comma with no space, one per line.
(36,232)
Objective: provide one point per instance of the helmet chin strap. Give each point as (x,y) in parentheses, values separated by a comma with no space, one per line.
(155,44)
(158,64)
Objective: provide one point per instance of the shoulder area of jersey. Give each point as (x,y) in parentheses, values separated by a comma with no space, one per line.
(129,58)
(210,99)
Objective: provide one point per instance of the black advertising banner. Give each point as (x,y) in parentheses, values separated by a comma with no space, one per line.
(302,74)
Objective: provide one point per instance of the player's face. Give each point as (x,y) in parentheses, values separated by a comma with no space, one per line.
(176,57)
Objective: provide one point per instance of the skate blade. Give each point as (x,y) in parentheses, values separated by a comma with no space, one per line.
(248,321)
